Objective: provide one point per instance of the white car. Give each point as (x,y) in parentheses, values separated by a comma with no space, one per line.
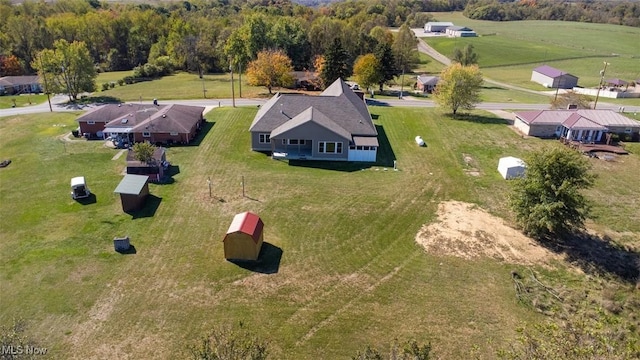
(79,189)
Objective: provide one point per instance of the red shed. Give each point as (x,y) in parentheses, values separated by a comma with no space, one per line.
(244,237)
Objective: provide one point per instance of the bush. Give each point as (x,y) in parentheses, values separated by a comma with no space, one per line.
(105,86)
(120,82)
(112,85)
(129,80)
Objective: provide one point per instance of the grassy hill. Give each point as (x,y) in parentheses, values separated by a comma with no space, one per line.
(350,272)
(510,50)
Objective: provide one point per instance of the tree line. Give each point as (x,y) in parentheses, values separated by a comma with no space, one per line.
(608,12)
(198,35)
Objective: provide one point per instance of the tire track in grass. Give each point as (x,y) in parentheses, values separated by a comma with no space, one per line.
(355,300)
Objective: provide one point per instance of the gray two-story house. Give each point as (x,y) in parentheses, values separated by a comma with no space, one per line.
(336,125)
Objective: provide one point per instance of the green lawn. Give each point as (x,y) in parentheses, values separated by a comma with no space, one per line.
(509,50)
(7,101)
(350,273)
(178,86)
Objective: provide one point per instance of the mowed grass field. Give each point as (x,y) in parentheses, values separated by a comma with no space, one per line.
(180,85)
(350,272)
(509,50)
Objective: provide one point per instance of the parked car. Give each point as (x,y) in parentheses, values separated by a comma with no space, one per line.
(79,189)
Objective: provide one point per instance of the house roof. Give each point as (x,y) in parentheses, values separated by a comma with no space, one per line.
(247,223)
(617,82)
(307,116)
(428,80)
(439,23)
(605,118)
(577,121)
(365,141)
(131,184)
(550,72)
(145,118)
(459,28)
(19,80)
(338,103)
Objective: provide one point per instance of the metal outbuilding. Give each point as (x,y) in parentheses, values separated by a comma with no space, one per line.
(243,240)
(511,167)
(133,190)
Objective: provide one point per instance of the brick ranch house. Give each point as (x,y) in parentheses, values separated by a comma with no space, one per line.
(131,123)
(576,125)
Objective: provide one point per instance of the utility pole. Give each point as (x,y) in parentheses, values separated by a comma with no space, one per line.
(602,72)
(46,84)
(233,95)
(242,185)
(240,78)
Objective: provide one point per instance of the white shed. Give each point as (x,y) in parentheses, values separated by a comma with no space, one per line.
(511,167)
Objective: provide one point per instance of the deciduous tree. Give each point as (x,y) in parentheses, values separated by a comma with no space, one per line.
(549,200)
(143,151)
(466,56)
(10,66)
(367,71)
(459,87)
(270,69)
(67,68)
(405,48)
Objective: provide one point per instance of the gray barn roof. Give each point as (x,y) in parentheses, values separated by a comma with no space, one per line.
(550,72)
(132,184)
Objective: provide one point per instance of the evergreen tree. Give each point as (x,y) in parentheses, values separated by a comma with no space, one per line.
(388,69)
(335,63)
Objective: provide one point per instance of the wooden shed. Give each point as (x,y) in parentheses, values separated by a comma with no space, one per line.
(133,190)
(244,237)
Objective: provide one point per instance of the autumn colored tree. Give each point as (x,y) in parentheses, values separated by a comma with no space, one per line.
(367,71)
(10,66)
(459,87)
(272,68)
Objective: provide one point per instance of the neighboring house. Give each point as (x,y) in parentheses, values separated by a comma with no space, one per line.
(153,168)
(14,85)
(577,125)
(434,26)
(427,84)
(335,125)
(553,78)
(460,31)
(131,123)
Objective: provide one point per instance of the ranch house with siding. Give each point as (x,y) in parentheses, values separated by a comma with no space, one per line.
(336,125)
(576,125)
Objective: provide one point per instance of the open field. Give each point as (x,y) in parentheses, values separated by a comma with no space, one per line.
(510,50)
(181,85)
(350,271)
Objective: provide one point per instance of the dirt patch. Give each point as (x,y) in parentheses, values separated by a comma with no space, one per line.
(466,231)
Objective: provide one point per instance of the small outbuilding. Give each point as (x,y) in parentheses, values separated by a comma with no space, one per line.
(153,168)
(511,167)
(121,244)
(243,240)
(553,78)
(133,190)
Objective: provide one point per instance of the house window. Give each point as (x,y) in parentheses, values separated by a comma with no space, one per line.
(91,122)
(265,139)
(330,147)
(173,133)
(293,141)
(146,134)
(627,130)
